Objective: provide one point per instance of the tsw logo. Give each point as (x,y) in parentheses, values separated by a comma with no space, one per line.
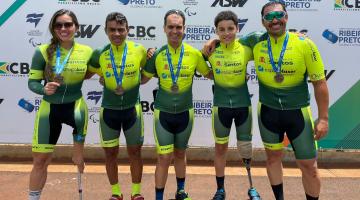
(94,95)
(241,23)
(229,3)
(10,11)
(86,31)
(34,18)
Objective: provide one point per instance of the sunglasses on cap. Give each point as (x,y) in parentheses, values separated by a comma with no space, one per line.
(66,25)
(274,14)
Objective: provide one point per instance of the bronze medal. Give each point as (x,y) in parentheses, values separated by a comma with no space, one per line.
(279,77)
(119,90)
(59,79)
(175,88)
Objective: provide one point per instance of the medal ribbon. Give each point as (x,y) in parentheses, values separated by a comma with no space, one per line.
(60,67)
(277,69)
(174,77)
(113,64)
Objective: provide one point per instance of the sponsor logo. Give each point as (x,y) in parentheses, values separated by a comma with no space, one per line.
(343,36)
(347,5)
(34,42)
(148,106)
(34,18)
(10,11)
(241,23)
(86,31)
(94,118)
(228,3)
(26,105)
(14,69)
(94,95)
(189,11)
(80,2)
(1,100)
(141,3)
(198,33)
(142,33)
(202,108)
(190,2)
(328,74)
(251,76)
(302,5)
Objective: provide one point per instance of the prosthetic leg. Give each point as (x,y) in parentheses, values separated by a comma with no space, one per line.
(252,193)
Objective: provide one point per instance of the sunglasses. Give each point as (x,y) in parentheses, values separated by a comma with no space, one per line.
(274,14)
(65,25)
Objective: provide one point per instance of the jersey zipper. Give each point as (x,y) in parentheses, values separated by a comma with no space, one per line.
(62,99)
(230,103)
(282,108)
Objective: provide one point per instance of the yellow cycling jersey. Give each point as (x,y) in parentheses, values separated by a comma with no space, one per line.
(301,60)
(135,59)
(229,64)
(166,99)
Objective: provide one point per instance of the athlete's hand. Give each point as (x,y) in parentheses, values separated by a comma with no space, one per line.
(321,128)
(78,160)
(102,80)
(150,53)
(209,47)
(51,87)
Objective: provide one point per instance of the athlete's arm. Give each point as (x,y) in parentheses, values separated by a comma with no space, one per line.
(144,78)
(150,53)
(209,47)
(36,76)
(322,100)
(89,74)
(149,69)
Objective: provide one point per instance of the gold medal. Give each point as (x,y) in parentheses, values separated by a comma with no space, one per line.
(59,79)
(279,77)
(119,90)
(175,88)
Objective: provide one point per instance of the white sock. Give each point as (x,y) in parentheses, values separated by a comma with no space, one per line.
(34,195)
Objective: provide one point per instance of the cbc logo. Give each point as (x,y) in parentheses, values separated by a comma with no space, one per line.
(141,31)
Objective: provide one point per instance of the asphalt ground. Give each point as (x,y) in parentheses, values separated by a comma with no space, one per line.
(337,183)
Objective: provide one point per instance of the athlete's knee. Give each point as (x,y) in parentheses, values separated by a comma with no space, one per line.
(221,149)
(134,151)
(308,167)
(273,157)
(179,154)
(41,160)
(111,153)
(164,160)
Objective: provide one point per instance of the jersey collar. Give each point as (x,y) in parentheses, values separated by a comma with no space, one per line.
(118,48)
(228,46)
(177,50)
(279,39)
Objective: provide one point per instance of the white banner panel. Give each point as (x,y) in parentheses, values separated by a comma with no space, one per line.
(333,26)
